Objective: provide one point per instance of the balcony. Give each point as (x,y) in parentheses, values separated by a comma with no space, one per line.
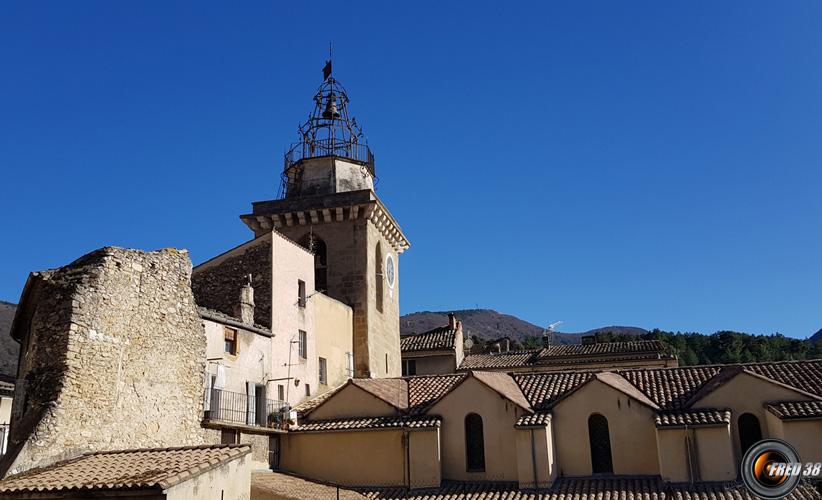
(235,409)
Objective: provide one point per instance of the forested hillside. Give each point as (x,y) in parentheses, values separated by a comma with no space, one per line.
(728,347)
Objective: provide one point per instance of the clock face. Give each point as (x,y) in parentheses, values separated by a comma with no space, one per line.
(389,270)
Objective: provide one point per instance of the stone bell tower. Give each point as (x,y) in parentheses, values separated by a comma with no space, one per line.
(327,204)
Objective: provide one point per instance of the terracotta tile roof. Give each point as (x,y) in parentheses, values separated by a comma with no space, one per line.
(511,359)
(632,346)
(804,375)
(795,410)
(438,339)
(424,391)
(670,387)
(731,491)
(697,417)
(619,383)
(622,488)
(544,389)
(157,468)
(504,385)
(568,354)
(535,420)
(414,422)
(393,391)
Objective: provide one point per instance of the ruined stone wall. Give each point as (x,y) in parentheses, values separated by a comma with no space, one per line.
(217,283)
(113,358)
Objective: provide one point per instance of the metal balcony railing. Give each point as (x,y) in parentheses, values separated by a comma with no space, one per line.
(330,147)
(243,409)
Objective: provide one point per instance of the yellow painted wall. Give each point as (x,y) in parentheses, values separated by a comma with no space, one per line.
(746,393)
(498,418)
(631,427)
(334,323)
(351,401)
(437,364)
(365,458)
(806,438)
(673,465)
(425,458)
(716,455)
(535,454)
(712,447)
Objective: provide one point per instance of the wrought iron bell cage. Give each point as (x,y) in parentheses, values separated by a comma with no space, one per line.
(329,132)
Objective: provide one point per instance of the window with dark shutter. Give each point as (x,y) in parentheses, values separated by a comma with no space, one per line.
(323,371)
(474,444)
(230,340)
(303,344)
(301,293)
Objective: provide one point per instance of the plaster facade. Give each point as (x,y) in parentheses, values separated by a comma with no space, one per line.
(498,415)
(630,424)
(746,393)
(334,324)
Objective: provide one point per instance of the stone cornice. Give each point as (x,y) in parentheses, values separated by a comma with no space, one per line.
(323,209)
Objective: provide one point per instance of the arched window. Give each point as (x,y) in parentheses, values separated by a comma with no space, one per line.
(474,444)
(378,276)
(317,246)
(600,440)
(749,431)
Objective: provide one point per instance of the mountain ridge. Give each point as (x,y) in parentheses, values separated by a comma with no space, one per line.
(489,324)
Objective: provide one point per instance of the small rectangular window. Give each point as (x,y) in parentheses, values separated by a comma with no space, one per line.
(307,390)
(349,365)
(323,371)
(281,392)
(386,363)
(228,436)
(301,293)
(409,367)
(230,340)
(303,345)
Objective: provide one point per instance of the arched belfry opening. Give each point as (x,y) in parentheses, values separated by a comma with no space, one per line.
(600,441)
(379,277)
(317,246)
(749,431)
(474,443)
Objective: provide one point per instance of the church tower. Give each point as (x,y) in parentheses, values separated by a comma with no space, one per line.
(327,204)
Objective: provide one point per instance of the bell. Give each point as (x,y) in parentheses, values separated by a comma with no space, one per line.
(331,108)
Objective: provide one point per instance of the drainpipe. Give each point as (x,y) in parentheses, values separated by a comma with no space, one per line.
(688,457)
(534,458)
(407,439)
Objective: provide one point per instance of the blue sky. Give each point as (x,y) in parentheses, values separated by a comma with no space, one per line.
(656,164)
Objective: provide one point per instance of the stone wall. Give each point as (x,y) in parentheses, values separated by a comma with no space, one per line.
(9,349)
(217,282)
(113,358)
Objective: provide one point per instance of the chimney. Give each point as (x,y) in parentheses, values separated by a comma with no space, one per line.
(459,344)
(452,321)
(496,348)
(245,309)
(506,344)
(546,339)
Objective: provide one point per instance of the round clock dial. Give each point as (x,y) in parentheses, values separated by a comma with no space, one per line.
(390,275)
